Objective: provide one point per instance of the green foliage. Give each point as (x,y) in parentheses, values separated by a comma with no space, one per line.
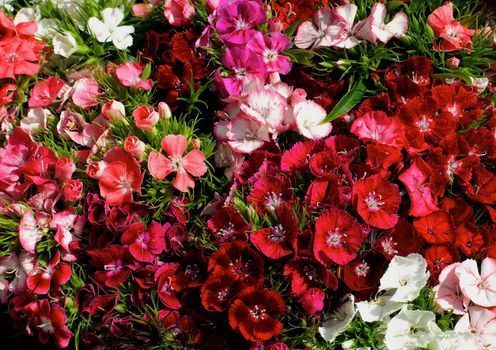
(9,236)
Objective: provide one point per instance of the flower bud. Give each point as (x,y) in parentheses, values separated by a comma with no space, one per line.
(196,143)
(64,168)
(164,110)
(113,111)
(135,146)
(146,118)
(453,62)
(73,190)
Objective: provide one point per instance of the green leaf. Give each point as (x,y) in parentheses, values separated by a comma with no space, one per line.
(301,56)
(394,5)
(292,27)
(146,71)
(347,102)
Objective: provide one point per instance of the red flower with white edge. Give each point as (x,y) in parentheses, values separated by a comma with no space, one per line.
(436,228)
(438,257)
(49,320)
(377,201)
(270,192)
(218,292)
(277,241)
(112,265)
(193,163)
(144,245)
(377,127)
(120,177)
(338,237)
(422,201)
(239,259)
(44,93)
(254,313)
(53,275)
(306,273)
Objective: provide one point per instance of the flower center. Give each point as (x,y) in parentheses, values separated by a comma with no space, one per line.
(177,163)
(334,238)
(273,201)
(226,231)
(454,109)
(424,124)
(258,313)
(46,325)
(310,272)
(240,73)
(241,24)
(373,201)
(222,294)
(388,246)
(270,55)
(278,234)
(362,269)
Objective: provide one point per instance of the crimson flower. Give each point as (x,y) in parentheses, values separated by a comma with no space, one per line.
(270,192)
(43,94)
(458,101)
(217,292)
(54,273)
(166,292)
(325,164)
(470,239)
(306,273)
(277,241)
(365,271)
(193,163)
(120,177)
(400,240)
(227,223)
(377,201)
(49,320)
(254,313)
(438,257)
(297,157)
(338,237)
(144,245)
(115,261)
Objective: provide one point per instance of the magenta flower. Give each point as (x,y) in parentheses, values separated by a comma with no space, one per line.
(236,21)
(145,245)
(129,74)
(193,163)
(268,48)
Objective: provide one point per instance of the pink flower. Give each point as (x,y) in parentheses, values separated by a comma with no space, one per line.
(373,28)
(129,74)
(178,12)
(69,226)
(21,267)
(85,93)
(54,275)
(449,296)
(72,126)
(480,288)
(64,169)
(120,177)
(268,48)
(31,229)
(146,117)
(17,57)
(145,245)
(135,146)
(193,163)
(44,93)
(377,127)
(113,111)
(73,190)
(312,301)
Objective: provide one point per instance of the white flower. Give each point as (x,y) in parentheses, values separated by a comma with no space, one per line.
(480,83)
(36,120)
(340,319)
(480,288)
(109,29)
(379,308)
(408,275)
(64,44)
(452,340)
(309,117)
(7,5)
(480,322)
(27,14)
(46,27)
(411,329)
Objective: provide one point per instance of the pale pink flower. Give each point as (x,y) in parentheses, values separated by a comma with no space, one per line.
(129,74)
(85,92)
(178,12)
(373,28)
(480,288)
(449,296)
(31,229)
(193,163)
(324,33)
(482,323)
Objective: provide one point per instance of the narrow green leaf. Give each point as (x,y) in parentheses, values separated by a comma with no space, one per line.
(347,102)
(292,27)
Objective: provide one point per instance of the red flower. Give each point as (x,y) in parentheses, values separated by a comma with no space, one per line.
(364,272)
(191,271)
(227,223)
(382,156)
(238,258)
(377,127)
(43,94)
(436,228)
(54,274)
(254,313)
(459,101)
(337,237)
(377,201)
(49,320)
(73,190)
(401,240)
(325,164)
(166,292)
(217,292)
(312,301)
(438,257)
(144,245)
(277,241)
(297,157)
(470,239)
(115,261)
(422,201)
(306,273)
(17,57)
(269,193)
(324,193)
(120,177)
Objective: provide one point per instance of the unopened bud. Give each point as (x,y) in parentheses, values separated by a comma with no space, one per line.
(164,110)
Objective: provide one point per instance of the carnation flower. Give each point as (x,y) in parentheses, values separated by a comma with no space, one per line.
(339,319)
(411,329)
(436,228)
(109,30)
(144,245)
(270,192)
(45,92)
(378,308)
(449,295)
(112,265)
(408,275)
(309,117)
(373,28)
(480,288)
(482,323)
(178,12)
(64,45)
(53,275)
(268,47)
(377,201)
(129,74)
(453,340)
(218,292)
(306,273)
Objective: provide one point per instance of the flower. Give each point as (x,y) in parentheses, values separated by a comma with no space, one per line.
(109,30)
(378,308)
(309,117)
(453,340)
(268,48)
(17,57)
(270,192)
(85,92)
(337,237)
(120,177)
(449,295)
(144,245)
(373,28)
(113,111)
(254,313)
(411,329)
(54,275)
(146,118)
(408,275)
(436,228)
(218,292)
(339,319)
(377,201)
(178,12)
(129,74)
(44,93)
(480,288)
(64,44)
(193,163)
(112,264)
(482,323)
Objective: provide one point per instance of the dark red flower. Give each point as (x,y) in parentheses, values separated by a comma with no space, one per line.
(277,241)
(49,320)
(400,240)
(297,157)
(324,194)
(239,259)
(436,228)
(218,292)
(364,272)
(306,273)
(113,265)
(191,271)
(254,313)
(337,237)
(382,156)
(166,292)
(269,193)
(227,223)
(377,201)
(459,101)
(325,164)
(470,239)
